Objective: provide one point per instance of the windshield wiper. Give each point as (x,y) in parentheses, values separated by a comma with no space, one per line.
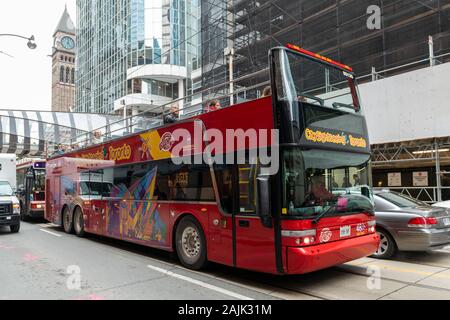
(323,214)
(321,101)
(361,209)
(338,105)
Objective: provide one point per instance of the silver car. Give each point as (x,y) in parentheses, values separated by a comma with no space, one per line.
(406,224)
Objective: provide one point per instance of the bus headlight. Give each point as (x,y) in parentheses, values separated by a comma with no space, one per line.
(16,208)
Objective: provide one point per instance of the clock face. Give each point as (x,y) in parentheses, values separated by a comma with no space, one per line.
(68,43)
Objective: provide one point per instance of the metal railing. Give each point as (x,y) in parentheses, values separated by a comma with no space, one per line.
(147,120)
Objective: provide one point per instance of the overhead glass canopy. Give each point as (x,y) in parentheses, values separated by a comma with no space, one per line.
(41,133)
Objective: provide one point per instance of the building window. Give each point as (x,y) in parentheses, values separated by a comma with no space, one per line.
(73,76)
(68,75)
(61,74)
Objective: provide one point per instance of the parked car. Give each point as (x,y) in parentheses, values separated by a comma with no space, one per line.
(406,224)
(443,204)
(9,207)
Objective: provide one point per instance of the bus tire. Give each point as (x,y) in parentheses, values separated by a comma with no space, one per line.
(67,220)
(78,222)
(191,244)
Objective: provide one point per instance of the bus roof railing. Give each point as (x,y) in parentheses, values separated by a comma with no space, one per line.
(131,123)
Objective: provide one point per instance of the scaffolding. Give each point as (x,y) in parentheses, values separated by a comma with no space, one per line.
(335,28)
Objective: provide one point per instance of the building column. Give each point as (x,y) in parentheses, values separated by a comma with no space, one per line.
(181,93)
(438,173)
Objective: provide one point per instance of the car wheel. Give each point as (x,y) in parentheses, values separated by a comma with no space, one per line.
(67,220)
(387,248)
(191,244)
(15,228)
(78,222)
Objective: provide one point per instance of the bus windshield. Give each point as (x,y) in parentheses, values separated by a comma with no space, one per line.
(305,80)
(315,181)
(39,182)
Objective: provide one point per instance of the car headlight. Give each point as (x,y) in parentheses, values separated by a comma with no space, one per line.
(16,208)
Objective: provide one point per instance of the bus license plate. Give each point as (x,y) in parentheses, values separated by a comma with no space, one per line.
(346,231)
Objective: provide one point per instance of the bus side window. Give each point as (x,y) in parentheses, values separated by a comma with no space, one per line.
(192,183)
(224,185)
(247,187)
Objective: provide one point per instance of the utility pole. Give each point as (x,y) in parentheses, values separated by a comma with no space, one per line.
(229,54)
(431,48)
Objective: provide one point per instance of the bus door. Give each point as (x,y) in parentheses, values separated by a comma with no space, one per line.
(29,180)
(254,243)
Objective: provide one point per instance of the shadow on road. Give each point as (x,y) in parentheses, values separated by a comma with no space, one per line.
(430,258)
(5,231)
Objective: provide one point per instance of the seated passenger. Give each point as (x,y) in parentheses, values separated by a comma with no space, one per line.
(319,193)
(267,92)
(174,114)
(213,105)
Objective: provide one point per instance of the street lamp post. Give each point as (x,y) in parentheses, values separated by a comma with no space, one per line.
(31,44)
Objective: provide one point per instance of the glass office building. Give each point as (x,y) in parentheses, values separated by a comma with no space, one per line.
(135,54)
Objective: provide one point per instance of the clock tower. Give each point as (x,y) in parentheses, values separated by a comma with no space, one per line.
(63,65)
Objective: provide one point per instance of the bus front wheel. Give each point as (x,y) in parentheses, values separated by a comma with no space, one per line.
(67,221)
(191,244)
(78,222)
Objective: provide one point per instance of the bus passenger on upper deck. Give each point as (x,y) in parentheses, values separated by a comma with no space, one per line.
(267,92)
(174,114)
(213,105)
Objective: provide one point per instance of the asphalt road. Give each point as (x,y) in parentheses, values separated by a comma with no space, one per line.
(42,262)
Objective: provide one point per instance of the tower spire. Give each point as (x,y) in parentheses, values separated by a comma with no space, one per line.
(65,24)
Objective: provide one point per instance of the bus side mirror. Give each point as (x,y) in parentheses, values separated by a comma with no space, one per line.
(264,205)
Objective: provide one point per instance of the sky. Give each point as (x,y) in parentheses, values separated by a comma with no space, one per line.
(25,79)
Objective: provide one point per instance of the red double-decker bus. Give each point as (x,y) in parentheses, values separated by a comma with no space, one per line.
(31,188)
(309,207)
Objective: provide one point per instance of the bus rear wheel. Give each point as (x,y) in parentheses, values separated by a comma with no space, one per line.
(191,244)
(67,221)
(78,222)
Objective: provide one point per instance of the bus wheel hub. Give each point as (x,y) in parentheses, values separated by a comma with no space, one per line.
(191,242)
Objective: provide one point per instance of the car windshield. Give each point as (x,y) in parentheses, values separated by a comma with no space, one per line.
(401,200)
(5,189)
(317,181)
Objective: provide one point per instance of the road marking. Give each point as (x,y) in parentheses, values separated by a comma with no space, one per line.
(52,233)
(48,225)
(200,283)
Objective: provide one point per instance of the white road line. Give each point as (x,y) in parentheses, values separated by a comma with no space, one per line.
(52,233)
(200,283)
